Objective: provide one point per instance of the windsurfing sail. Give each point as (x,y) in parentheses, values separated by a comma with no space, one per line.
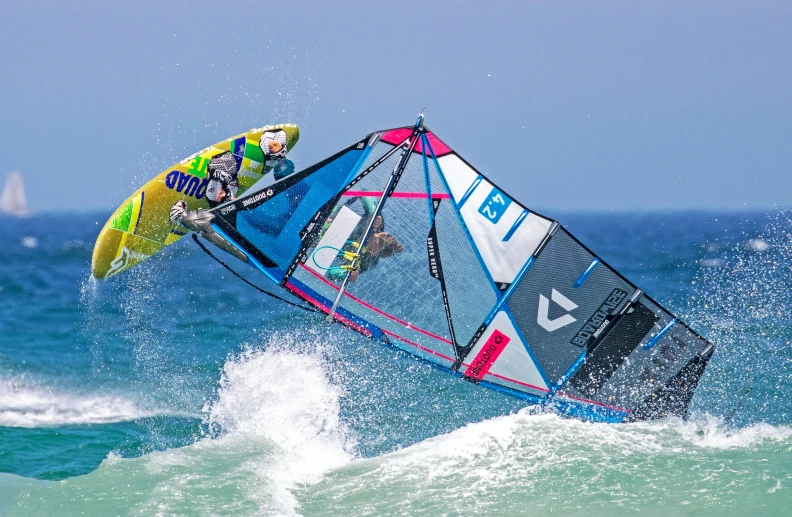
(12,199)
(402,240)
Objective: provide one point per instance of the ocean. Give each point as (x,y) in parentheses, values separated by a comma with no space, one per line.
(176,389)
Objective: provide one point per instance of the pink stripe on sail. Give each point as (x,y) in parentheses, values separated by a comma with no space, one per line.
(428,350)
(515,381)
(487,355)
(408,195)
(366,332)
(468,371)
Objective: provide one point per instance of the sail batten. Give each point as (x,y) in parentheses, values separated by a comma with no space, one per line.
(419,250)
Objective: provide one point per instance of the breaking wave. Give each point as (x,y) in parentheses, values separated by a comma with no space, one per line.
(282,401)
(276,445)
(274,426)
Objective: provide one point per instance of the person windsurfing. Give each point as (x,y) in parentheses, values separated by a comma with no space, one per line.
(223,170)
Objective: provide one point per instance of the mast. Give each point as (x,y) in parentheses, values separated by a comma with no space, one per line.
(394,178)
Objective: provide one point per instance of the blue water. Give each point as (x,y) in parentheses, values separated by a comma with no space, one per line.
(176,389)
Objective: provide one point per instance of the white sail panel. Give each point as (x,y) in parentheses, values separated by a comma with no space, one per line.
(459,176)
(504,232)
(333,240)
(501,353)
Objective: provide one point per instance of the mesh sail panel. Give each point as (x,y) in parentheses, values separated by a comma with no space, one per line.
(401,284)
(397,294)
(376,323)
(372,320)
(470,294)
(415,176)
(412,183)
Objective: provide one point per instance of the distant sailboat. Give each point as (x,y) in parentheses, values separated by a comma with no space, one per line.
(13,200)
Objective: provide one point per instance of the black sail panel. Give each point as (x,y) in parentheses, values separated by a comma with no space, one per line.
(560,320)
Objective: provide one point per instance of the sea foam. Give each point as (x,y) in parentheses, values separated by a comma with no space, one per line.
(544,463)
(23,405)
(274,426)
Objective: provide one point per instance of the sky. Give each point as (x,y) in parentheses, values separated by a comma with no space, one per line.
(568,106)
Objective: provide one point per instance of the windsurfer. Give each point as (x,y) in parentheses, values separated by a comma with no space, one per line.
(223,170)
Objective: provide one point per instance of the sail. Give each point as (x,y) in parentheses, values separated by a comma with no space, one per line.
(12,199)
(402,240)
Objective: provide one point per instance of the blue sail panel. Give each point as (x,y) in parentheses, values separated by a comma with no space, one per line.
(272,221)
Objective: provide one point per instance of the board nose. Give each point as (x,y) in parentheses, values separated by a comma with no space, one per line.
(292,135)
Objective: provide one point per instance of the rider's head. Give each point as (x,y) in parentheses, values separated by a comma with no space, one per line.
(283,168)
(273,145)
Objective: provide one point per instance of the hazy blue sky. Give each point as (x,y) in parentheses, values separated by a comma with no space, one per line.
(580,105)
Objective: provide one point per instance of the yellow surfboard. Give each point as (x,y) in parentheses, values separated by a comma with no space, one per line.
(140,227)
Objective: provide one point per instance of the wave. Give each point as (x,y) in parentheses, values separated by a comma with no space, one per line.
(282,401)
(529,463)
(274,426)
(23,405)
(276,445)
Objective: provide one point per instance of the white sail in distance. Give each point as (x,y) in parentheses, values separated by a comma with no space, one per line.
(13,200)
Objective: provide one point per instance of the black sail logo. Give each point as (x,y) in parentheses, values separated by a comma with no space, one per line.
(600,319)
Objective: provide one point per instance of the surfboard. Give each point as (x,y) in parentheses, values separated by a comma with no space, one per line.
(140,227)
